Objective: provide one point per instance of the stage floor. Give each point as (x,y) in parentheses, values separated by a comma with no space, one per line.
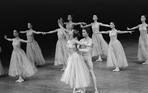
(133,79)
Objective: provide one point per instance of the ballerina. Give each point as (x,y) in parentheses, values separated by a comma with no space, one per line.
(20,65)
(61,53)
(100,45)
(1,67)
(70,25)
(116,55)
(33,50)
(143,40)
(76,73)
(86,54)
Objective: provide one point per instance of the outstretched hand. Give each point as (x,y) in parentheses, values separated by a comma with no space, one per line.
(83,23)
(81,26)
(44,33)
(131,32)
(128,28)
(5,36)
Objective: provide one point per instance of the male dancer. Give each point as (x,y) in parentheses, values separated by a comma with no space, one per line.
(86,53)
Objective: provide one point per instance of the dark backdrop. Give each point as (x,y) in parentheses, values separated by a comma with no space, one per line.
(43,15)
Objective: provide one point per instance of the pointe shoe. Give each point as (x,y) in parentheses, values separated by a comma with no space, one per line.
(145,63)
(78,91)
(97,92)
(83,89)
(63,69)
(99,59)
(116,70)
(20,80)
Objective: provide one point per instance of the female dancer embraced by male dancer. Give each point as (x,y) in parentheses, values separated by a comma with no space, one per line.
(143,40)
(76,73)
(61,53)
(20,65)
(33,50)
(100,45)
(116,56)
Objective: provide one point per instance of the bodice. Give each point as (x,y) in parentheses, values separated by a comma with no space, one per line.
(113,35)
(69,26)
(143,30)
(30,35)
(95,27)
(60,34)
(16,44)
(71,46)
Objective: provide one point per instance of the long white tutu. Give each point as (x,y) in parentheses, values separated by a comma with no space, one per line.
(20,64)
(143,49)
(100,45)
(76,73)
(116,55)
(34,53)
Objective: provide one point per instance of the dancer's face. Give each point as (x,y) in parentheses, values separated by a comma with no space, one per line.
(69,18)
(95,17)
(61,22)
(29,25)
(15,33)
(112,25)
(143,18)
(84,33)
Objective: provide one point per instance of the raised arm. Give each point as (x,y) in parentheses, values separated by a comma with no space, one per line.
(8,38)
(136,27)
(86,25)
(38,32)
(50,32)
(23,31)
(79,23)
(25,41)
(122,32)
(103,32)
(106,25)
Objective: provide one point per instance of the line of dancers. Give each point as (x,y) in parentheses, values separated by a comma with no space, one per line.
(74,55)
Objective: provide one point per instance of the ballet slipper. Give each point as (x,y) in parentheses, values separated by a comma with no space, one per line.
(97,92)
(83,89)
(20,80)
(116,69)
(99,59)
(145,63)
(63,69)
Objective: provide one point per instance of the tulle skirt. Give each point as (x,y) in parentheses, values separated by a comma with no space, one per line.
(1,68)
(116,55)
(143,49)
(61,54)
(34,53)
(76,73)
(20,64)
(100,45)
